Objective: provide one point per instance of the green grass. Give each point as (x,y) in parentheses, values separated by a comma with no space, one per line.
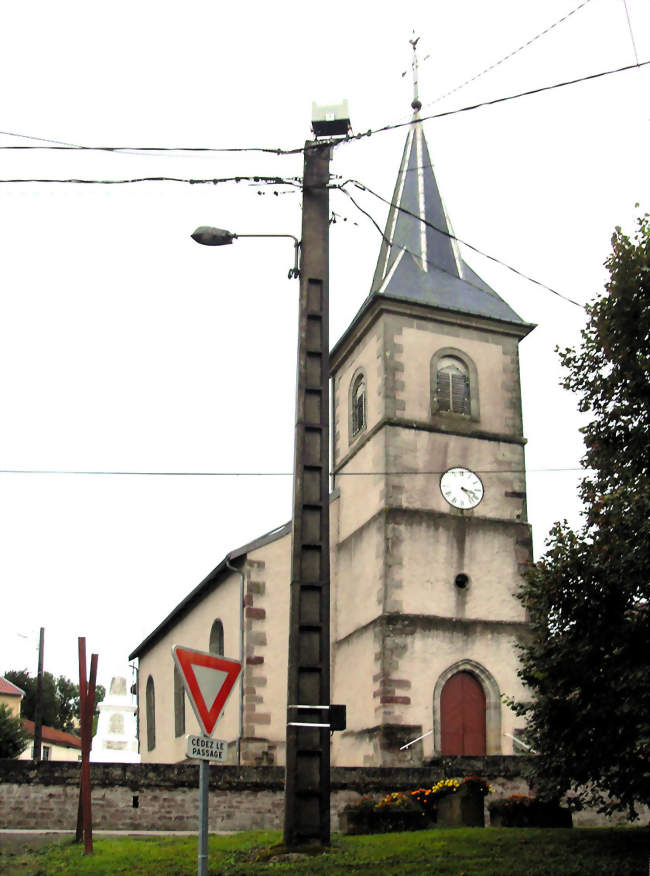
(453,852)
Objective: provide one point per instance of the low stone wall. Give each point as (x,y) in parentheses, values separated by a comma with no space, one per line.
(165,796)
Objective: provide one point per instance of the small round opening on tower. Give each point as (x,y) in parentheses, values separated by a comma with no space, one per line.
(461,580)
(416,105)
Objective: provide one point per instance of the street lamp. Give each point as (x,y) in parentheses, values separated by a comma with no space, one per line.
(209,236)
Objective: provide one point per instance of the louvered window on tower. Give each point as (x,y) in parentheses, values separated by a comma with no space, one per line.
(359,405)
(452,386)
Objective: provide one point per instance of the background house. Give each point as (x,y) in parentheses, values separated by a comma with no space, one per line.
(10,695)
(56,744)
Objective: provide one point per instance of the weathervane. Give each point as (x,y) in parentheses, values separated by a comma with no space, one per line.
(415,103)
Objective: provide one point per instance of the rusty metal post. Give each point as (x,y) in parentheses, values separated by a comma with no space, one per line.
(307,786)
(82,711)
(86,709)
(87,743)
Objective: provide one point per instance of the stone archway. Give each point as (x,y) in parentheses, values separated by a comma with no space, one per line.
(480,692)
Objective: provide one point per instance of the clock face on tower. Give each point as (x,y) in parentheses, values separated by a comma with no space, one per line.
(461,488)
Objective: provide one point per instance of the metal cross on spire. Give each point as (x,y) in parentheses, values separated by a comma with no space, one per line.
(416,104)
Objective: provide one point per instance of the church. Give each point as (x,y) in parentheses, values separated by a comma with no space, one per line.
(429,532)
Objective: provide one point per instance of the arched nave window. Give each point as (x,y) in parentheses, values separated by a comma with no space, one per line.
(150,708)
(179,703)
(216,638)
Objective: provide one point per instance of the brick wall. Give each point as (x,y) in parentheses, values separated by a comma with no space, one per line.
(165,796)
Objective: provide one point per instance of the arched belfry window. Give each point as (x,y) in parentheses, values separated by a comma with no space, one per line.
(150,708)
(179,703)
(358,404)
(454,384)
(216,638)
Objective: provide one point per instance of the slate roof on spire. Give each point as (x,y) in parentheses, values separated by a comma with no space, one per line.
(422,263)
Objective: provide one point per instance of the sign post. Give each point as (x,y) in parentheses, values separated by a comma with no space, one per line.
(209,680)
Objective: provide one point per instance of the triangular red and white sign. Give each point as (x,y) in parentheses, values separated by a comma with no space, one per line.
(209,680)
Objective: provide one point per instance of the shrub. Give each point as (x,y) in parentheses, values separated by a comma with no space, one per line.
(520,810)
(13,739)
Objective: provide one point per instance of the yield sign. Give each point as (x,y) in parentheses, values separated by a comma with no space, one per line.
(209,680)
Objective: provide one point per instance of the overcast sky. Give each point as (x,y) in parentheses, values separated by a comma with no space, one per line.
(124,346)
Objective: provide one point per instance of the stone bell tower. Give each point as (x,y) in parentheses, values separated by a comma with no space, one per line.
(429,526)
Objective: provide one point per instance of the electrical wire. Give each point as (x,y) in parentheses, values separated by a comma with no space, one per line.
(299,149)
(484,103)
(510,54)
(629,24)
(406,249)
(62,146)
(294,181)
(451,236)
(260,474)
(255,180)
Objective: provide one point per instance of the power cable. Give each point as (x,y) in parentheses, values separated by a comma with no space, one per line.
(485,103)
(510,54)
(259,474)
(629,24)
(336,142)
(406,249)
(255,180)
(62,146)
(448,234)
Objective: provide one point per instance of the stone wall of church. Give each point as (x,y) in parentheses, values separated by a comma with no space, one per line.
(165,796)
(265,672)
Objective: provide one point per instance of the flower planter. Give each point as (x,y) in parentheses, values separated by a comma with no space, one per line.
(386,819)
(462,808)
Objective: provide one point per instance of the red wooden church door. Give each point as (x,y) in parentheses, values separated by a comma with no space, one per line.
(462,715)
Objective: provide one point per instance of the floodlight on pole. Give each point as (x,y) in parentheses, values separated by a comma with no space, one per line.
(209,236)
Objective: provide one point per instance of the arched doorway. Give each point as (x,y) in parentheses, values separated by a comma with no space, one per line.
(462,715)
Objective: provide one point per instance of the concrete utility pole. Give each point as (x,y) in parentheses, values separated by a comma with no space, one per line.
(38,710)
(307,787)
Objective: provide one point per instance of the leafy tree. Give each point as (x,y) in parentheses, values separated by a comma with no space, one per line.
(67,698)
(49,708)
(13,739)
(60,702)
(587,663)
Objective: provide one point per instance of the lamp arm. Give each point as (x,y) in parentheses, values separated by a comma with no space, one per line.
(295,270)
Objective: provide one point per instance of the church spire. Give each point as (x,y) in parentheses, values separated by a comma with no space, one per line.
(419,257)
